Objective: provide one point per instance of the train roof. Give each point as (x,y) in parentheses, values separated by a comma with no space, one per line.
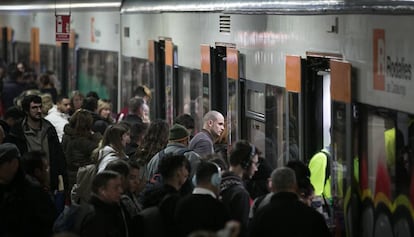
(275,7)
(286,7)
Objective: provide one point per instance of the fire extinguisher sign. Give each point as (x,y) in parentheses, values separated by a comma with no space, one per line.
(62,28)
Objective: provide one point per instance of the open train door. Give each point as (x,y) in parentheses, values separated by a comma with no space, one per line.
(233,99)
(6,44)
(294,115)
(343,112)
(221,85)
(161,57)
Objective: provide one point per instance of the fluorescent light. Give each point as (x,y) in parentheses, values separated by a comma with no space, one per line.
(29,7)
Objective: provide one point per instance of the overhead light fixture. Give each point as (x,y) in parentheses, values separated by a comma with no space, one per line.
(30,7)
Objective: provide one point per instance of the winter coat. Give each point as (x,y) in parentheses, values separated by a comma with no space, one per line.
(236,198)
(200,212)
(78,151)
(57,160)
(26,209)
(108,220)
(192,157)
(286,215)
(202,143)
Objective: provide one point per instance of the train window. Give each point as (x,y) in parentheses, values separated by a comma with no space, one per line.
(98,71)
(257,133)
(381,152)
(189,95)
(22,52)
(255,101)
(135,72)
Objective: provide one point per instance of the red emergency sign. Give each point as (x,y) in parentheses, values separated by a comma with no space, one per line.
(62,28)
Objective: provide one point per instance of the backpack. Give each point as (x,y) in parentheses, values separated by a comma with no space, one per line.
(157,178)
(71,218)
(81,191)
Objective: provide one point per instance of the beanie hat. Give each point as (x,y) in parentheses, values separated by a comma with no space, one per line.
(178,132)
(8,151)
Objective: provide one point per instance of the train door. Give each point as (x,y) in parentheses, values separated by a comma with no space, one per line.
(343,146)
(320,97)
(6,44)
(221,85)
(161,58)
(294,114)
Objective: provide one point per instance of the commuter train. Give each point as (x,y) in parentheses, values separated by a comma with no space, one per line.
(291,77)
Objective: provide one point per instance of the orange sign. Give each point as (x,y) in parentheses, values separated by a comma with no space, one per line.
(63,28)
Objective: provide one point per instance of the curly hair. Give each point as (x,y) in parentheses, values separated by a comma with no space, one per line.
(155,139)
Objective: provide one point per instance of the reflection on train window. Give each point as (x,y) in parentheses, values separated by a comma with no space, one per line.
(381,153)
(189,95)
(22,52)
(135,72)
(98,71)
(255,101)
(257,133)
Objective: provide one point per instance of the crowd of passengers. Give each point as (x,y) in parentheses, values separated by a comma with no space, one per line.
(69,167)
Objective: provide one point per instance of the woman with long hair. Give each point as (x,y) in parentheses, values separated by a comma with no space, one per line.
(154,140)
(112,146)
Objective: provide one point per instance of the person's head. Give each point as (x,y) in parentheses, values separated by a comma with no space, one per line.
(81,122)
(122,168)
(137,132)
(63,104)
(208,175)
(47,103)
(46,80)
(35,164)
(32,107)
(92,94)
(136,106)
(16,76)
(213,121)
(107,186)
(90,103)
(137,178)
(155,139)
(117,137)
(9,162)
(187,121)
(174,169)
(304,187)
(146,113)
(21,67)
(142,92)
(217,159)
(178,134)
(283,180)
(12,115)
(76,100)
(244,156)
(104,109)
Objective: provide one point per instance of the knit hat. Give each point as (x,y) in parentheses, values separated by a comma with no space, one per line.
(178,132)
(9,151)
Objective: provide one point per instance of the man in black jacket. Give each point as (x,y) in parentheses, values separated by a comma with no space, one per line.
(35,133)
(286,215)
(25,208)
(202,210)
(109,218)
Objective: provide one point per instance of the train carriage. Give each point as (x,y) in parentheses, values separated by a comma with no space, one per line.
(290,76)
